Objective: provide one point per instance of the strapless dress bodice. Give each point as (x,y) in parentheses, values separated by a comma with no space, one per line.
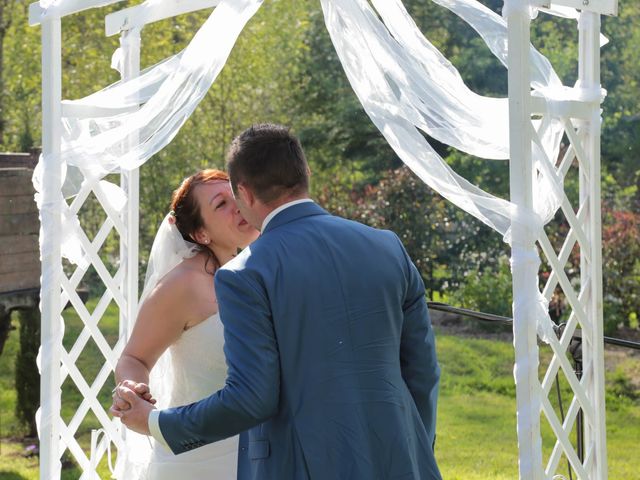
(199,370)
(199,367)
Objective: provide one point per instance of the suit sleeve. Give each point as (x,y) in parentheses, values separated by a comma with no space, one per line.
(251,393)
(418,360)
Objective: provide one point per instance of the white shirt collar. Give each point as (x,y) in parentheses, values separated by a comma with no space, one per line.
(276,211)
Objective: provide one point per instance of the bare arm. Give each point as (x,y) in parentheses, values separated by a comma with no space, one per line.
(161,320)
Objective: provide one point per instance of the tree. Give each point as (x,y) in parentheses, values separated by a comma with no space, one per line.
(27,378)
(621,78)
(621,268)
(340,140)
(6,17)
(254,86)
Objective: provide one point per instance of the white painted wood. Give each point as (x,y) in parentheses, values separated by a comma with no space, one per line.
(51,335)
(593,345)
(130,183)
(563,439)
(556,454)
(521,180)
(579,112)
(567,108)
(144,14)
(37,14)
(604,7)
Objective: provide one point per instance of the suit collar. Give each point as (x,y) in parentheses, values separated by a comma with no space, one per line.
(281,208)
(294,212)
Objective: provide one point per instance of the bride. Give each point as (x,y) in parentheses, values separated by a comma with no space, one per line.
(175,351)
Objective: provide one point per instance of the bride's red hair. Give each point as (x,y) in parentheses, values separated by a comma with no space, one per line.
(186,210)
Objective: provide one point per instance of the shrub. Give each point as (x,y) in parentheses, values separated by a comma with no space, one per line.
(488,290)
(27,378)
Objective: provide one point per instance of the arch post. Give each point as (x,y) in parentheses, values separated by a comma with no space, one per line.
(50,229)
(523,244)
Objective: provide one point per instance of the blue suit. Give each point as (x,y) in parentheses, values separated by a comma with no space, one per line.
(332,370)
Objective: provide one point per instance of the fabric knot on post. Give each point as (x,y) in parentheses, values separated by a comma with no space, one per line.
(512,7)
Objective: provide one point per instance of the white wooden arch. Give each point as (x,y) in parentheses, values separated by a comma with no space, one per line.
(579,110)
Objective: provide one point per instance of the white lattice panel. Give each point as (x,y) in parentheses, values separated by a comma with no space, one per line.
(576,287)
(80,435)
(573,261)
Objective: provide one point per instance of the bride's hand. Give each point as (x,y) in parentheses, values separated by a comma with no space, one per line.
(141,389)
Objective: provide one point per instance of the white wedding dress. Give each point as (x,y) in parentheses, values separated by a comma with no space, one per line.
(191,369)
(199,370)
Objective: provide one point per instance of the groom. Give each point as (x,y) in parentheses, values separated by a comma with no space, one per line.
(332,370)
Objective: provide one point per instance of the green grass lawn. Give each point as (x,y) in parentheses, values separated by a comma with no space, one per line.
(476,433)
(13,463)
(476,416)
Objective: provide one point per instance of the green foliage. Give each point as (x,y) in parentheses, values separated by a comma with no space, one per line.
(621,108)
(620,268)
(557,39)
(487,290)
(621,390)
(339,139)
(461,45)
(27,379)
(492,176)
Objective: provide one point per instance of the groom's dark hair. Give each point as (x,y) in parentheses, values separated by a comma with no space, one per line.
(269,160)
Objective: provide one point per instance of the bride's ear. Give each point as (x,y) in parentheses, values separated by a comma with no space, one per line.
(200,236)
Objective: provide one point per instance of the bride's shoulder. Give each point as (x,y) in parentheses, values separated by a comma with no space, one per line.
(187,275)
(183,294)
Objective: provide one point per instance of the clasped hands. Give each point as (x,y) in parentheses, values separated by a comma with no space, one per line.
(132,403)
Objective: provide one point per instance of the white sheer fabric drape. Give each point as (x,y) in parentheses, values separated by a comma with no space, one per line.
(408,88)
(125,124)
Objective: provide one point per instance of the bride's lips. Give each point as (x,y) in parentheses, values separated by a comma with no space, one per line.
(242,223)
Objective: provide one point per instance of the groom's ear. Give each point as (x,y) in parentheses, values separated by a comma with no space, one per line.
(246,195)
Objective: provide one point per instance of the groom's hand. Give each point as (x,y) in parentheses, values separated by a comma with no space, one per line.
(136,417)
(142,389)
